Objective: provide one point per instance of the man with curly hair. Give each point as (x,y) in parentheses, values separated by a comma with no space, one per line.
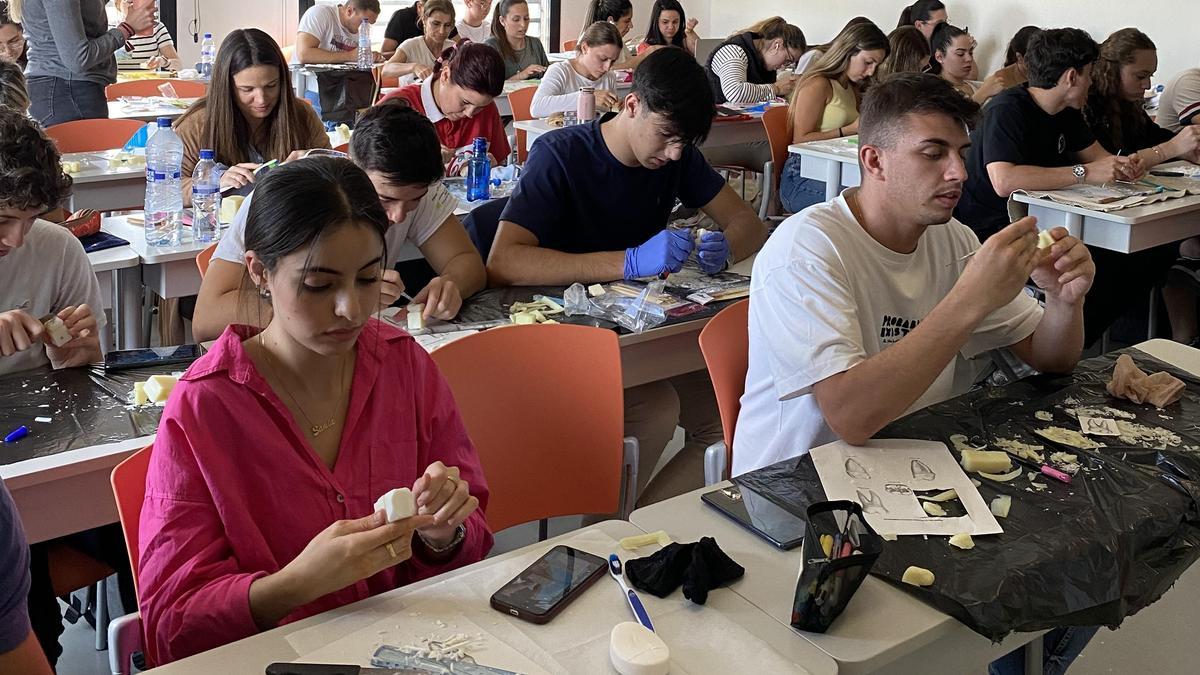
(43,269)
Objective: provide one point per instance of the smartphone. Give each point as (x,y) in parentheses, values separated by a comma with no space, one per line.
(128,359)
(758,514)
(544,588)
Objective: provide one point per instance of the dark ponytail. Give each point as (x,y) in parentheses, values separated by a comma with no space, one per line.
(943,34)
(920,10)
(475,67)
(1019,44)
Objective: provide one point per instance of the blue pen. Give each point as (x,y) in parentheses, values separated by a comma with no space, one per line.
(17,434)
(635,603)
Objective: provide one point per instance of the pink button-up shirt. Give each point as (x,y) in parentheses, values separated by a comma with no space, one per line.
(234,491)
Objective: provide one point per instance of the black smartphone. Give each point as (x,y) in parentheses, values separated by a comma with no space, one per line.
(128,359)
(758,514)
(544,588)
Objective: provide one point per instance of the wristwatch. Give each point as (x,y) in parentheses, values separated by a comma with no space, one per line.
(460,533)
(1080,172)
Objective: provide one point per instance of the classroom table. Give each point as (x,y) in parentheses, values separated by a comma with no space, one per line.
(883,628)
(834,161)
(116,270)
(727,634)
(1124,230)
(726,133)
(148,112)
(168,271)
(103,188)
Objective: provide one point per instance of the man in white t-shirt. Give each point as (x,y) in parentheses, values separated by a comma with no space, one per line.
(474,25)
(863,309)
(399,149)
(43,268)
(1179,103)
(329,33)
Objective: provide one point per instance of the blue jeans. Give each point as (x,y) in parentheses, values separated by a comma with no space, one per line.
(1060,647)
(53,100)
(796,193)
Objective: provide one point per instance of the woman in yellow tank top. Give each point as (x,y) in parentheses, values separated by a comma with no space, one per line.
(825,104)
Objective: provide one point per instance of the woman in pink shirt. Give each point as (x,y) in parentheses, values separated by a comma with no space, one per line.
(275,445)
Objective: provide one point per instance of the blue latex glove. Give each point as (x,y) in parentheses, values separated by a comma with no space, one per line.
(662,253)
(713,252)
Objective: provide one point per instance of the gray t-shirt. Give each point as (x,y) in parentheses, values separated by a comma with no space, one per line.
(71,40)
(533,53)
(14,582)
(47,274)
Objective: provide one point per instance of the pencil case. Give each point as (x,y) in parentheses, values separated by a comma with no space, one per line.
(839,549)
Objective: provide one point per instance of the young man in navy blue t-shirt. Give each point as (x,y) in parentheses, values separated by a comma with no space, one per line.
(592,206)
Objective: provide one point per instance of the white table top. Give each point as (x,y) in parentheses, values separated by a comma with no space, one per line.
(152,255)
(1130,216)
(725,635)
(117,258)
(97,169)
(143,111)
(883,628)
(837,149)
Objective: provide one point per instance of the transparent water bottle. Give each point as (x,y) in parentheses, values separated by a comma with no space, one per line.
(164,186)
(365,59)
(208,55)
(479,171)
(206,199)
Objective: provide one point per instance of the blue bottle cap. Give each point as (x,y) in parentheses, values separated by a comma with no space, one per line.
(207,154)
(208,36)
(164,123)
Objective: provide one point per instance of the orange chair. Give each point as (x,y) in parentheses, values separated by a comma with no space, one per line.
(520,100)
(204,258)
(549,439)
(725,344)
(775,120)
(569,45)
(129,488)
(183,88)
(344,147)
(93,135)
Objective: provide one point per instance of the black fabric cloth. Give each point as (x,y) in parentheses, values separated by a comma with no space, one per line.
(756,70)
(1122,127)
(699,567)
(1017,131)
(403,25)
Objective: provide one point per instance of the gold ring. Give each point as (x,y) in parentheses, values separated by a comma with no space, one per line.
(390,549)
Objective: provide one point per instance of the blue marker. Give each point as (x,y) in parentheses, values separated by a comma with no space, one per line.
(17,434)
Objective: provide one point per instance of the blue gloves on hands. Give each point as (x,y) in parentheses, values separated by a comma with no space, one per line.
(713,252)
(665,252)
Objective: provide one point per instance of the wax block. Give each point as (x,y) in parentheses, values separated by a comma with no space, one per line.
(398,504)
(56,331)
(158,388)
(229,207)
(139,393)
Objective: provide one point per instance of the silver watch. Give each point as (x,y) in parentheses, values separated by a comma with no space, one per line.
(1080,172)
(460,533)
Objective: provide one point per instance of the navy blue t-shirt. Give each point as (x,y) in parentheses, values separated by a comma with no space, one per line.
(14,579)
(575,197)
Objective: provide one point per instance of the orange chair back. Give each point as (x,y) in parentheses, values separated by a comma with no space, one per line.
(775,120)
(725,343)
(520,100)
(93,135)
(344,147)
(129,488)
(569,45)
(204,259)
(544,407)
(183,88)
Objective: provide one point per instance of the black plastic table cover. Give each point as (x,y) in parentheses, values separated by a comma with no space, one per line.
(1085,554)
(86,406)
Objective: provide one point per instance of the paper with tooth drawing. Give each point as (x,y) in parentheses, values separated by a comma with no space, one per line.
(887,478)
(702,639)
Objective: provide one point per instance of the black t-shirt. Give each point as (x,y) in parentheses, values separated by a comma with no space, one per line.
(1017,131)
(403,25)
(1124,130)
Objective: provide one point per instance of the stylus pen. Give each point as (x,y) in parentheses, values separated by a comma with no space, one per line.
(635,603)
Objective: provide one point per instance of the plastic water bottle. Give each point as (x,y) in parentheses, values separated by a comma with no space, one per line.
(365,59)
(164,187)
(479,171)
(208,54)
(206,199)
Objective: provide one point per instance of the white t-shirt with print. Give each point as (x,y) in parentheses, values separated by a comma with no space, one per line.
(323,22)
(824,296)
(476,35)
(418,226)
(47,274)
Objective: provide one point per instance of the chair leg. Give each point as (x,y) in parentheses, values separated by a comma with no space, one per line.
(715,469)
(629,494)
(1152,319)
(101,615)
(543,529)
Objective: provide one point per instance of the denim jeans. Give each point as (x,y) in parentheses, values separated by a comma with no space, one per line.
(796,193)
(53,100)
(1060,647)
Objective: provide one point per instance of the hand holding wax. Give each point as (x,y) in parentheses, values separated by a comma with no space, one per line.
(442,495)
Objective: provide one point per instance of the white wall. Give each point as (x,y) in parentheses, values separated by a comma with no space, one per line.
(1171,24)
(573,12)
(219,17)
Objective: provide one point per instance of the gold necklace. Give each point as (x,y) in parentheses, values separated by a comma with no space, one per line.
(314,429)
